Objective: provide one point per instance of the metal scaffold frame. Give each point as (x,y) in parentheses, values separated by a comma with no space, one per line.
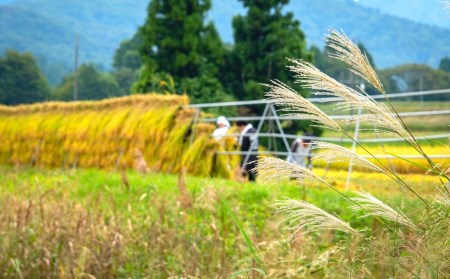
(270,114)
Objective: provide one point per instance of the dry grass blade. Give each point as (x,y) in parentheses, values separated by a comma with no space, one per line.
(273,169)
(349,53)
(303,217)
(283,95)
(377,208)
(207,199)
(332,153)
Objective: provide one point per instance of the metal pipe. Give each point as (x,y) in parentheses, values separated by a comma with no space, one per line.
(286,144)
(335,117)
(355,137)
(320,100)
(375,140)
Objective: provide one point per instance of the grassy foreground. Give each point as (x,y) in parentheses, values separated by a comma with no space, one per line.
(82,223)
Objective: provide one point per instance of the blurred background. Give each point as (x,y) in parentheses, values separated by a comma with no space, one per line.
(221,51)
(137,187)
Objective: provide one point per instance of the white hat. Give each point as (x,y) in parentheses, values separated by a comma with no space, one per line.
(223,120)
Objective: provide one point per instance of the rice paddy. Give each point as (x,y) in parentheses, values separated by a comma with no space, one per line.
(71,207)
(103,224)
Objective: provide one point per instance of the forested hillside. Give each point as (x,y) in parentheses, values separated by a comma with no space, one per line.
(390,39)
(47,28)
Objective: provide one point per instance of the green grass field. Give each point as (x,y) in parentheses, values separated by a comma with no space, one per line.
(81,223)
(87,223)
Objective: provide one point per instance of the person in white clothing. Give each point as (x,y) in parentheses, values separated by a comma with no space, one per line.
(222,127)
(301,153)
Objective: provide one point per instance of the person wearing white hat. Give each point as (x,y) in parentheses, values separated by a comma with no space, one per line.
(222,127)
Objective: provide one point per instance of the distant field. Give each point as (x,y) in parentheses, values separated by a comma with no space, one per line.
(90,222)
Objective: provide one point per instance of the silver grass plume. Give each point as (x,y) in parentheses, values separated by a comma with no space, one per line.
(385,122)
(281,94)
(332,153)
(349,53)
(375,207)
(321,84)
(274,169)
(303,217)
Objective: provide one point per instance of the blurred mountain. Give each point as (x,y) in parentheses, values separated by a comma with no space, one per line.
(390,39)
(47,29)
(429,12)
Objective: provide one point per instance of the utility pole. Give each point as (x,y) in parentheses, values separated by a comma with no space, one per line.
(75,70)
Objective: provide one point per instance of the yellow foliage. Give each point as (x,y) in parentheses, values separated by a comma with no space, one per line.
(105,133)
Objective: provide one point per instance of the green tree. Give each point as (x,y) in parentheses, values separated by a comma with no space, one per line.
(92,85)
(125,77)
(205,89)
(127,54)
(175,39)
(176,42)
(126,63)
(264,37)
(445,64)
(21,81)
(332,67)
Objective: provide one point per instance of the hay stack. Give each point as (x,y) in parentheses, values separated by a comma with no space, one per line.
(105,134)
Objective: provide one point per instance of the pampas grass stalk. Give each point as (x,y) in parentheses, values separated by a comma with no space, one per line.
(283,95)
(321,84)
(332,153)
(303,216)
(380,209)
(347,52)
(273,169)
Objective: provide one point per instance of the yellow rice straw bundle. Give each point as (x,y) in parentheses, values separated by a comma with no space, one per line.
(105,134)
